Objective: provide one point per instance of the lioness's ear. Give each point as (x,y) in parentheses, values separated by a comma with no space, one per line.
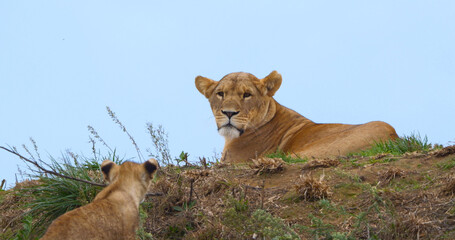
(110,170)
(151,166)
(205,85)
(272,83)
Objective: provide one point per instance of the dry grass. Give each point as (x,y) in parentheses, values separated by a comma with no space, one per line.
(448,188)
(445,151)
(391,173)
(267,165)
(12,206)
(310,189)
(325,163)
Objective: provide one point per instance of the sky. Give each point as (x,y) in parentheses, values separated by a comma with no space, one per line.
(63,62)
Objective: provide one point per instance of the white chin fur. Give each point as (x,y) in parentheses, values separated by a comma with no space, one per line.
(229,132)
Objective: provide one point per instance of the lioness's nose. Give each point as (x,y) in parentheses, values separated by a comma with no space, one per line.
(229,114)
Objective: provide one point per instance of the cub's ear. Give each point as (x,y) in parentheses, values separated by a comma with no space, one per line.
(151,166)
(205,85)
(271,83)
(110,170)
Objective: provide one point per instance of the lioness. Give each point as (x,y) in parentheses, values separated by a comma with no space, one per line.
(254,124)
(114,213)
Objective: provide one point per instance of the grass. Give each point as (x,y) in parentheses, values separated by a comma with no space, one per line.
(399,146)
(55,196)
(258,223)
(447,165)
(287,157)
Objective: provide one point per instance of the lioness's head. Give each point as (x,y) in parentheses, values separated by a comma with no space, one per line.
(240,102)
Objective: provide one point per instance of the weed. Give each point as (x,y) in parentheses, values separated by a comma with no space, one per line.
(287,157)
(117,121)
(160,143)
(185,206)
(183,158)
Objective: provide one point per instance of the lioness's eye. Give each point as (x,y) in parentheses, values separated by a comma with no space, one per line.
(245,95)
(221,94)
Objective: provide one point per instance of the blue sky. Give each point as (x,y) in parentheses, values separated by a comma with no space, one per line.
(63,62)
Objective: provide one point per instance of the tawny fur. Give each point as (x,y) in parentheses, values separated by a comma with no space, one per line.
(259,125)
(114,213)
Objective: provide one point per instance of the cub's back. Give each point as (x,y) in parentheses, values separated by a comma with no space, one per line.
(97,218)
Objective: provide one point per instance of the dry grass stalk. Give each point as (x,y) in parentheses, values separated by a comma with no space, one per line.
(445,151)
(195,174)
(326,163)
(390,174)
(11,207)
(449,188)
(267,165)
(412,226)
(311,189)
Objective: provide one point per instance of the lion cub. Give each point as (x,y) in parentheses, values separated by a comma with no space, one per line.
(114,213)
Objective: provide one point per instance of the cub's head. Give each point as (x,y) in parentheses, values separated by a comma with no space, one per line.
(240,102)
(129,172)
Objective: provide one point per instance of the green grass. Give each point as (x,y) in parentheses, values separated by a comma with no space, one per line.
(399,146)
(244,222)
(287,157)
(447,165)
(55,196)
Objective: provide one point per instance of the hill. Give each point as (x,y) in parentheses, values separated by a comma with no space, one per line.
(383,196)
